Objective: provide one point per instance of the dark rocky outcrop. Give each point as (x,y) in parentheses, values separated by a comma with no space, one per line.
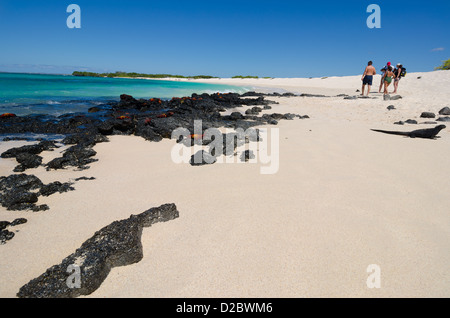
(85,178)
(54,187)
(28,156)
(254,110)
(87,140)
(247,155)
(152,119)
(6,235)
(409,121)
(118,244)
(18,221)
(201,158)
(313,95)
(427,115)
(4,225)
(31,149)
(27,161)
(77,156)
(445,111)
(16,192)
(22,191)
(429,123)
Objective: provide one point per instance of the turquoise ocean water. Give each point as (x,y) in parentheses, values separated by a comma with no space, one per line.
(24,94)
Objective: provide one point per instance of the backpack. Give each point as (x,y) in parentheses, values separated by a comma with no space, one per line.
(403,73)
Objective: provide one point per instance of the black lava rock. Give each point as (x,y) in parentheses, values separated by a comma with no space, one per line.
(54,187)
(152,119)
(31,149)
(427,115)
(27,161)
(4,225)
(86,139)
(254,110)
(78,156)
(85,178)
(19,200)
(247,155)
(445,111)
(236,116)
(118,244)
(201,158)
(20,182)
(19,221)
(5,235)
(147,132)
(27,156)
(289,116)
(21,192)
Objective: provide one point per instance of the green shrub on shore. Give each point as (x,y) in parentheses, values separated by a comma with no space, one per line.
(248,76)
(136,75)
(445,65)
(86,74)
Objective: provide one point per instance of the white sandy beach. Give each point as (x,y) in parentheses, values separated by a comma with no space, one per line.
(344,198)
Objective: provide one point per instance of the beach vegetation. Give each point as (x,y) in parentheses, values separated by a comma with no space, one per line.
(445,65)
(138,75)
(248,76)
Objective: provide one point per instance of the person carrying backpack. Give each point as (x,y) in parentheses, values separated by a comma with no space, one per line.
(399,72)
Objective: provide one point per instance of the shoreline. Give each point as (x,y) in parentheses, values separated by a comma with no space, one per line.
(344,198)
(317,85)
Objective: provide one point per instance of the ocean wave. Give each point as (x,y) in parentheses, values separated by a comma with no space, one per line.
(224,91)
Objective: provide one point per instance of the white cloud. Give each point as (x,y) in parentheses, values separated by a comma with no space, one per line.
(438,49)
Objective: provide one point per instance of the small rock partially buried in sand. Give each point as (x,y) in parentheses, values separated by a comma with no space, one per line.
(427,115)
(444,111)
(117,244)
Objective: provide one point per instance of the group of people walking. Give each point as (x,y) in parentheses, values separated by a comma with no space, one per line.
(389,75)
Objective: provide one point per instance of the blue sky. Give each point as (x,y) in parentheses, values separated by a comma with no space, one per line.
(222,38)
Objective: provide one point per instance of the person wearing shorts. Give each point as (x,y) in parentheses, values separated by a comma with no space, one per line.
(367,77)
(397,78)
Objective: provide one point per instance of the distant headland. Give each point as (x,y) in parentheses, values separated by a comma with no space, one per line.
(142,75)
